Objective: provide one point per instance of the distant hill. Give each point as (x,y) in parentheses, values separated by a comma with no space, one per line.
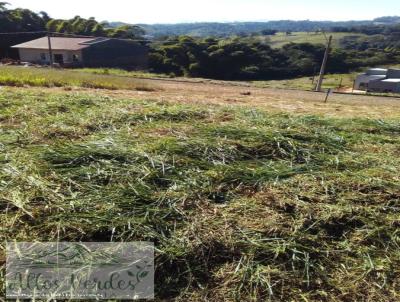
(387,20)
(202,29)
(115,24)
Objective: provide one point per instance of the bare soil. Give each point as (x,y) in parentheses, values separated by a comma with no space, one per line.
(270,99)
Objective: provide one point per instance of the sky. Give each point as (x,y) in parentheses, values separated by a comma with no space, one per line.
(178,11)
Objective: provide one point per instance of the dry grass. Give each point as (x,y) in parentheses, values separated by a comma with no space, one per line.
(334,81)
(243,203)
(121,72)
(45,77)
(271,99)
(201,91)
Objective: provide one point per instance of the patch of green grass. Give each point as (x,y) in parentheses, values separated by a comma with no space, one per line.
(281,38)
(46,77)
(335,81)
(256,207)
(309,83)
(121,72)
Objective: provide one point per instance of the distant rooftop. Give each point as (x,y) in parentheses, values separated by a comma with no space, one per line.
(365,77)
(377,71)
(391,80)
(393,74)
(60,43)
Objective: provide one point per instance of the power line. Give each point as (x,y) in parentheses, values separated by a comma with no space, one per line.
(97,37)
(24,33)
(57,34)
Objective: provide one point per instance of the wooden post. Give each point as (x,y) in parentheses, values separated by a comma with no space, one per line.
(323,66)
(327,95)
(341,82)
(50,50)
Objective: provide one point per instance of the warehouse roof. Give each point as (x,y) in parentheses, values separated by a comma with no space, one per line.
(391,80)
(377,71)
(366,78)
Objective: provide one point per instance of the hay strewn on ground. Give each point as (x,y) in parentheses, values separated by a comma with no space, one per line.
(243,204)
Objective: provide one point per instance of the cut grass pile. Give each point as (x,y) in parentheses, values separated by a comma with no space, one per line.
(46,77)
(243,205)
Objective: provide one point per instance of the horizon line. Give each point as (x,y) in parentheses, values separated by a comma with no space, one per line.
(249,21)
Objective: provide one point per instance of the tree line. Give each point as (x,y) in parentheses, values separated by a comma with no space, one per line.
(228,58)
(25,20)
(246,59)
(380,37)
(205,29)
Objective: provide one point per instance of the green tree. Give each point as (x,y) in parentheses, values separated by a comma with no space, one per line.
(45,17)
(127,32)
(3,6)
(53,25)
(98,30)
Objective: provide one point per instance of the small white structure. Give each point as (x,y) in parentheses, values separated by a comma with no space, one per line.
(387,85)
(379,80)
(374,74)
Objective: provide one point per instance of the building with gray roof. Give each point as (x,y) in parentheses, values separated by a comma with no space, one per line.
(91,52)
(379,80)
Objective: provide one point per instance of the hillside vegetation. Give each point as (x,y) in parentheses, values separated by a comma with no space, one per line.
(204,29)
(252,58)
(242,204)
(280,39)
(238,51)
(25,20)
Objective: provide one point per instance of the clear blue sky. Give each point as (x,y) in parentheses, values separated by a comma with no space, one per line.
(176,11)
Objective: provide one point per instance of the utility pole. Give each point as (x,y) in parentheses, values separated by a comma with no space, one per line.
(313,75)
(323,66)
(50,50)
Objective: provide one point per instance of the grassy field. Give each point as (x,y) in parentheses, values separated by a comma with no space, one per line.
(309,83)
(335,81)
(46,77)
(281,38)
(118,79)
(243,204)
(98,78)
(121,72)
(114,79)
